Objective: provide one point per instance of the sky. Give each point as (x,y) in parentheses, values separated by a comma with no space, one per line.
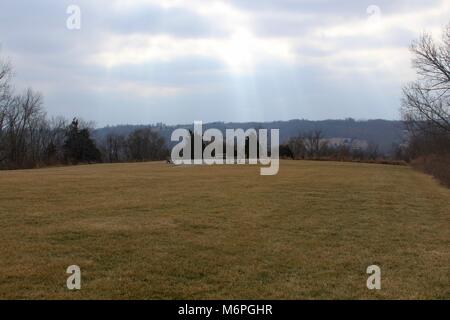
(176,61)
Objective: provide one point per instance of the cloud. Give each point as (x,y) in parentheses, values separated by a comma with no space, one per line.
(177,61)
(240,51)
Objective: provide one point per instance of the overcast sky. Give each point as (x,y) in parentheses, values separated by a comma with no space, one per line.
(176,61)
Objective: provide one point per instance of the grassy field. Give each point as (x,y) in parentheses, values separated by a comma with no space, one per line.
(152,231)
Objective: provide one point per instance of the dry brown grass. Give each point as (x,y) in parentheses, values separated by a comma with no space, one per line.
(152,231)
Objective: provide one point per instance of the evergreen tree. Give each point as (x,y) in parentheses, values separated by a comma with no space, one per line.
(78,146)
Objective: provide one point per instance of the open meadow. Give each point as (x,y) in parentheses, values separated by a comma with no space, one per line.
(156,231)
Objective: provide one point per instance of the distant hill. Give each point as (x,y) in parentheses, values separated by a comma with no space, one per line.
(385,133)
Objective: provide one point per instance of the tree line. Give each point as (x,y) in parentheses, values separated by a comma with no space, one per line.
(314,146)
(141,145)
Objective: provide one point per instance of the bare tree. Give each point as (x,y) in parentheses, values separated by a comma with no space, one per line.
(426,102)
(5,76)
(426,106)
(372,151)
(315,144)
(115,148)
(297,146)
(56,138)
(22,116)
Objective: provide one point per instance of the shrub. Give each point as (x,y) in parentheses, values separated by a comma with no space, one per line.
(436,165)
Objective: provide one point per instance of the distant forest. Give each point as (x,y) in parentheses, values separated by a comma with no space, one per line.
(383,133)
